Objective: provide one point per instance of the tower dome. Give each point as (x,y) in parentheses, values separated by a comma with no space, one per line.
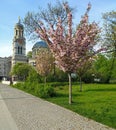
(37,46)
(19,25)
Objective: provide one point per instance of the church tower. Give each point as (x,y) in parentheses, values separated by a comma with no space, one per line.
(19,44)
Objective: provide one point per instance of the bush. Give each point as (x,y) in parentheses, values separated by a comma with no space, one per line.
(45,92)
(59,76)
(50,92)
(37,89)
(33,77)
(18,85)
(88,78)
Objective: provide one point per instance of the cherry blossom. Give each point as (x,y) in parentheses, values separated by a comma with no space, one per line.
(71,49)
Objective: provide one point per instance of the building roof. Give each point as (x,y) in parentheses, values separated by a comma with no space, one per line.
(19,25)
(40,44)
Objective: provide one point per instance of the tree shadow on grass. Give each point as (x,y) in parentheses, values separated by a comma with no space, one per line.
(61,95)
(67,95)
(101,89)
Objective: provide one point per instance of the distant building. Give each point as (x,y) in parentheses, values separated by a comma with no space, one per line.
(5,67)
(35,49)
(19,52)
(37,46)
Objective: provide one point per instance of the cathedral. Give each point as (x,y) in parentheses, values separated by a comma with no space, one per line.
(18,52)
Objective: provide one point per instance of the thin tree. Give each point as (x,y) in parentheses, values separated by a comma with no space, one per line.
(82,70)
(110,31)
(44,62)
(110,38)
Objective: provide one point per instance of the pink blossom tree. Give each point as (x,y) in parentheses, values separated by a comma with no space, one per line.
(71,49)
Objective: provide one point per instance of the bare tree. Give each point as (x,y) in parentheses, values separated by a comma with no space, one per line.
(50,15)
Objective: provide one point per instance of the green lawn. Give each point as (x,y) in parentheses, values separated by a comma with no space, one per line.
(97,101)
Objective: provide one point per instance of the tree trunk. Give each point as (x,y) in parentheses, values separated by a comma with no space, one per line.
(54,69)
(45,80)
(111,69)
(11,81)
(81,89)
(70,89)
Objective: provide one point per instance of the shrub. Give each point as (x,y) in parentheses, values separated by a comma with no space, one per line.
(45,92)
(39,91)
(50,92)
(18,85)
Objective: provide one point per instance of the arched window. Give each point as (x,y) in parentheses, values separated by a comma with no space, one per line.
(18,49)
(21,50)
(16,32)
(21,33)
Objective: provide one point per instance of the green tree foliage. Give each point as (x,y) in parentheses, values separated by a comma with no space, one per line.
(29,54)
(83,72)
(88,76)
(110,31)
(102,68)
(21,70)
(59,76)
(33,76)
(32,80)
(110,38)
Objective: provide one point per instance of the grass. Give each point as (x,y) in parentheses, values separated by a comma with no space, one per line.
(97,101)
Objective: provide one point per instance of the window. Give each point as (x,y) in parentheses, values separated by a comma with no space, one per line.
(21,50)
(16,32)
(18,49)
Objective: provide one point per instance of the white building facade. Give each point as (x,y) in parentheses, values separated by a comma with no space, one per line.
(5,67)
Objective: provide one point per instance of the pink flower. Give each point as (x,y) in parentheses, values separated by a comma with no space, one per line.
(71,50)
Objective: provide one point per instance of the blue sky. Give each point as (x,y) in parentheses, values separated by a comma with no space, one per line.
(10,10)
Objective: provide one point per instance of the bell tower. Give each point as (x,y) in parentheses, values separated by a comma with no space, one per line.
(19,44)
